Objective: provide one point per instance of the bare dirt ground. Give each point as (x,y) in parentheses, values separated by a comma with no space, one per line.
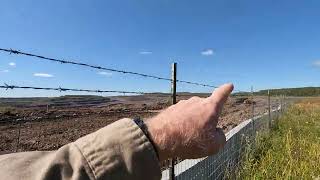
(31,125)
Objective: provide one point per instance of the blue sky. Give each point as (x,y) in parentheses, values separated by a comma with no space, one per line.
(267,43)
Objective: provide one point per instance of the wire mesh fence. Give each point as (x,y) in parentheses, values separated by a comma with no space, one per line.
(228,158)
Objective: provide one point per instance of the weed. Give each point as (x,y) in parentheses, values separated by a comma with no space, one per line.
(290,151)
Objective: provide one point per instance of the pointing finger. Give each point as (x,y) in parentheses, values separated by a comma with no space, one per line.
(221,94)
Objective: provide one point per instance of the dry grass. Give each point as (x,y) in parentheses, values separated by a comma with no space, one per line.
(291,151)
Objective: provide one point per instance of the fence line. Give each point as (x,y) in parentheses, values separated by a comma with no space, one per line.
(174,80)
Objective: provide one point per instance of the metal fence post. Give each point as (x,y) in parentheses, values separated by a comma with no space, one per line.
(173,101)
(284,102)
(39,136)
(18,139)
(281,106)
(269,109)
(252,102)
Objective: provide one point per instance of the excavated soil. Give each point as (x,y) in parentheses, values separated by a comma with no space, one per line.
(41,127)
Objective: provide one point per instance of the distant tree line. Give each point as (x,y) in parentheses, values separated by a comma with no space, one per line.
(304,91)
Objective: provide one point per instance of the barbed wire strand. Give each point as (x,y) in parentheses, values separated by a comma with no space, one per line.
(12,51)
(60,89)
(6,86)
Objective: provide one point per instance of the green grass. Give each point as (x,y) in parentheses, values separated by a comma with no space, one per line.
(290,151)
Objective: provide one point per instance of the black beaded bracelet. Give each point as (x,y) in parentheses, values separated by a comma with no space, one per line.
(144,129)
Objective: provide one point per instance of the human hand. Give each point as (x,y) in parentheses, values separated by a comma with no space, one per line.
(189,129)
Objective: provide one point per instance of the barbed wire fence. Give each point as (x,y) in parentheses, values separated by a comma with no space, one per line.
(173,80)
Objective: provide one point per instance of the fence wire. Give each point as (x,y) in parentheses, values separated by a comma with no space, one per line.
(12,51)
(6,86)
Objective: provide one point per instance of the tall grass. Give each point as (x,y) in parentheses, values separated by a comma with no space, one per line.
(290,151)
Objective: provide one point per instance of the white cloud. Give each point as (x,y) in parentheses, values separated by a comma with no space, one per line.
(105,73)
(207,52)
(12,64)
(316,63)
(4,71)
(45,75)
(145,52)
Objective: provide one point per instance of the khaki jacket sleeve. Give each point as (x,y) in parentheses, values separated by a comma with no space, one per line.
(117,151)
